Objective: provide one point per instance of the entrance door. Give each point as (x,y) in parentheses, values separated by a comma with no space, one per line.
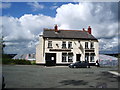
(50,59)
(78,57)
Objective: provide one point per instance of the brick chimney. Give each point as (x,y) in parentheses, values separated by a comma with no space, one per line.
(89,30)
(56,28)
(83,29)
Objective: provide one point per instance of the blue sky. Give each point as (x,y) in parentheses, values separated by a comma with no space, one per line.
(22,22)
(18,9)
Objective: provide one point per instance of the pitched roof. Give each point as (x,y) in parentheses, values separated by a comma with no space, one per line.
(68,34)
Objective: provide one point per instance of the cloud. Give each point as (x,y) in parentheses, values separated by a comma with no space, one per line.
(108,44)
(100,16)
(35,6)
(53,7)
(5,5)
(19,31)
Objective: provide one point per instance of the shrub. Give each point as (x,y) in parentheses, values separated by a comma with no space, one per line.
(24,62)
(7,60)
(33,62)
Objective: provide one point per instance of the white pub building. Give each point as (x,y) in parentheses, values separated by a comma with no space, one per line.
(62,47)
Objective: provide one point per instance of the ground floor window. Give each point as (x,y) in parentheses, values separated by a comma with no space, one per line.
(67,57)
(91,58)
(70,57)
(87,57)
(64,57)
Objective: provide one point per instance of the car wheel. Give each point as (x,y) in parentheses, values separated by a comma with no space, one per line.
(74,66)
(88,66)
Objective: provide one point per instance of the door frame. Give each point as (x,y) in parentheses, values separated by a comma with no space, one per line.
(48,59)
(78,56)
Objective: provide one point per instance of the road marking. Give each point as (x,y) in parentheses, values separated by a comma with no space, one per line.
(115,73)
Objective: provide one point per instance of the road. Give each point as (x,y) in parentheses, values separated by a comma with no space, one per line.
(34,76)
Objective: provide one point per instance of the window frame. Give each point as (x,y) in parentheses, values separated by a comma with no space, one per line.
(64,57)
(49,44)
(64,44)
(86,45)
(70,55)
(92,45)
(69,44)
(93,58)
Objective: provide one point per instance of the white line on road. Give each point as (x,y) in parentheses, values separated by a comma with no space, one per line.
(114,72)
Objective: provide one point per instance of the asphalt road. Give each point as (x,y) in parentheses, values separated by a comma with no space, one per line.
(33,76)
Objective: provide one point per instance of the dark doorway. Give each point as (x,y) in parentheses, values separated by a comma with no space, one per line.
(50,59)
(78,57)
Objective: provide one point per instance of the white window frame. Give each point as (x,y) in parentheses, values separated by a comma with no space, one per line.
(92,45)
(64,44)
(93,58)
(64,60)
(86,45)
(70,57)
(49,44)
(70,43)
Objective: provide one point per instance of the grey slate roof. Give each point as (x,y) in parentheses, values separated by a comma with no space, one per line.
(68,34)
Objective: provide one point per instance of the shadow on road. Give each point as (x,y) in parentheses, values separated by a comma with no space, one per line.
(73,82)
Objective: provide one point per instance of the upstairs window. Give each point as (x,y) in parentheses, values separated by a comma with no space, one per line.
(69,44)
(86,45)
(63,44)
(92,45)
(49,44)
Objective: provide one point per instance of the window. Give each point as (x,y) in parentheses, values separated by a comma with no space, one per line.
(92,45)
(49,44)
(64,57)
(29,55)
(87,57)
(86,45)
(70,57)
(63,44)
(92,55)
(69,44)
(91,58)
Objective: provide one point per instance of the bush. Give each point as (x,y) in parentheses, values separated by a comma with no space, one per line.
(7,60)
(24,62)
(21,62)
(33,62)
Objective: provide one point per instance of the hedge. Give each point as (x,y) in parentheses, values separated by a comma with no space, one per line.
(7,60)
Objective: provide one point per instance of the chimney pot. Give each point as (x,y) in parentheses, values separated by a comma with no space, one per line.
(89,30)
(56,28)
(83,29)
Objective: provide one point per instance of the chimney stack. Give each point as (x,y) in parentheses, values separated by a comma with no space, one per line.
(89,30)
(83,29)
(56,28)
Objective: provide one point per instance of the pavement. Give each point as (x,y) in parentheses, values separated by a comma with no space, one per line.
(35,76)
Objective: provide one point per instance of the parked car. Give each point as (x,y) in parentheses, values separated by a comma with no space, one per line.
(80,64)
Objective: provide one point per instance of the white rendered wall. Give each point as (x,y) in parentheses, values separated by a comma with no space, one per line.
(40,51)
(75,50)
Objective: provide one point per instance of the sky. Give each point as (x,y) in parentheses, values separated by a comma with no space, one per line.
(23,22)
